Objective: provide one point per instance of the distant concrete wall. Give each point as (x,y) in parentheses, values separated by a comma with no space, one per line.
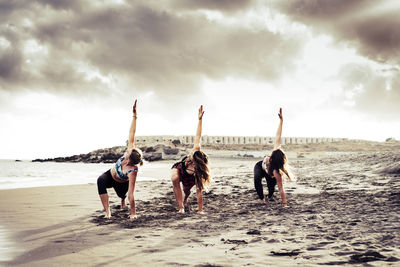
(205,140)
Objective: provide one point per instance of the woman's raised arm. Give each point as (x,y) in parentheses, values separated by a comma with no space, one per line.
(197,140)
(279,131)
(132,130)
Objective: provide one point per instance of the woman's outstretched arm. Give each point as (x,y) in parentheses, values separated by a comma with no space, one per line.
(279,131)
(197,140)
(132,130)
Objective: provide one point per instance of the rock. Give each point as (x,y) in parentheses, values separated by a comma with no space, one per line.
(152,156)
(111,155)
(171,151)
(148,149)
(162,152)
(107,155)
(393,168)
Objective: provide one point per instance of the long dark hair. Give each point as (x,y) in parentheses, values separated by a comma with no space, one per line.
(202,173)
(277,161)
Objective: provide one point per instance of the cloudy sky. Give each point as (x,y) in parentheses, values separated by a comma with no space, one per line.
(71,69)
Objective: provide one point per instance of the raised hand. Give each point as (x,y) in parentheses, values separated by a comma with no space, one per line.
(280,114)
(134,108)
(201,112)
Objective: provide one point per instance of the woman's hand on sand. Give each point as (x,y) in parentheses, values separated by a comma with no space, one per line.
(201,112)
(280,114)
(134,108)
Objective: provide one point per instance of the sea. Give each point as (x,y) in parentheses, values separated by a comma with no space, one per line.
(23,174)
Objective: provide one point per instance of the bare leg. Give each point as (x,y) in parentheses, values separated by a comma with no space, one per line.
(187,194)
(177,189)
(106,205)
(123,205)
(185,200)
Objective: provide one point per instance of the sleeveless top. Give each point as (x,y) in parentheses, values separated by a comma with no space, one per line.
(121,175)
(188,180)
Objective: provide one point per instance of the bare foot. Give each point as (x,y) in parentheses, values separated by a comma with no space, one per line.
(201,212)
(133,217)
(108,213)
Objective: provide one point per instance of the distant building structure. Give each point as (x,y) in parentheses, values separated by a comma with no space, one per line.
(241,140)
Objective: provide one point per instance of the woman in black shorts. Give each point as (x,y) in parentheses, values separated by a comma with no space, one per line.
(272,167)
(192,170)
(122,176)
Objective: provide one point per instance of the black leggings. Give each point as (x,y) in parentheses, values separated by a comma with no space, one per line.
(106,181)
(259,173)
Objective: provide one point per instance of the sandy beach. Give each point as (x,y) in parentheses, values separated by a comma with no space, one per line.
(343,210)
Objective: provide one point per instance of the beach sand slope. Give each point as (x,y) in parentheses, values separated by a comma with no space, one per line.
(344,209)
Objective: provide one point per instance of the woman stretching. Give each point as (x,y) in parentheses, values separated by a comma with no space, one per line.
(122,176)
(192,170)
(272,168)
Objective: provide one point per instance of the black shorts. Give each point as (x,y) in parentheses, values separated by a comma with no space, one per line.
(106,181)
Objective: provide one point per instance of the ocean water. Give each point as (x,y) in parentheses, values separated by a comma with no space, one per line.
(22,174)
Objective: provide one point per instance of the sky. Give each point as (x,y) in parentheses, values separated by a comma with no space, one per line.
(71,70)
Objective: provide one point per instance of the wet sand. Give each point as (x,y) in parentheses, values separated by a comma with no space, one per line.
(343,210)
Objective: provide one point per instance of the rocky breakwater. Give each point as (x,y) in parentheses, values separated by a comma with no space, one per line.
(110,155)
(163,152)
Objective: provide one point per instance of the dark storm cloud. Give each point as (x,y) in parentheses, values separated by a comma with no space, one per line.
(218,5)
(10,65)
(373,27)
(11,58)
(161,50)
(310,10)
(62,4)
(150,47)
